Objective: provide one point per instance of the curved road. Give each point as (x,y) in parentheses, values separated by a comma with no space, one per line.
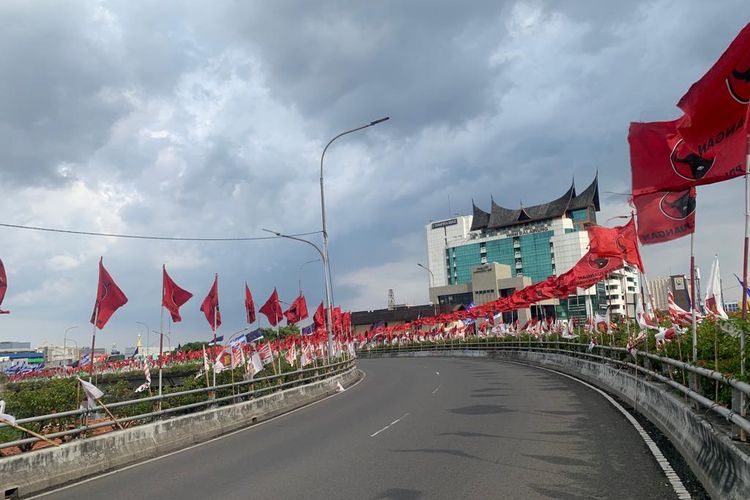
(416,428)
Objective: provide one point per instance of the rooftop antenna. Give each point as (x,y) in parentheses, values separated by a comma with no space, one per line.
(449,207)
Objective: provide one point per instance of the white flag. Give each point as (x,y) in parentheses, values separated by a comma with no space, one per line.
(92,391)
(256,363)
(5,416)
(714,302)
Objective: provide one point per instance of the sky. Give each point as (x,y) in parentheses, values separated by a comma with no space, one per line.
(208,119)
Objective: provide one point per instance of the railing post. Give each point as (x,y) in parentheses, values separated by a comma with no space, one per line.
(736,408)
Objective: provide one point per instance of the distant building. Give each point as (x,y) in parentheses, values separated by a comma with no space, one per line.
(678,284)
(731,307)
(366,320)
(15,346)
(60,355)
(534,243)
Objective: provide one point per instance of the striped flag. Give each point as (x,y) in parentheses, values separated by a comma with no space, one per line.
(291,355)
(147,373)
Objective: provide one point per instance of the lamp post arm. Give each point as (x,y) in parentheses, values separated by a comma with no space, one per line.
(326,259)
(326,281)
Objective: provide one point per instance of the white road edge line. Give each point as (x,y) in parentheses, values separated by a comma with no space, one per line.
(436,389)
(389,425)
(672,476)
(250,427)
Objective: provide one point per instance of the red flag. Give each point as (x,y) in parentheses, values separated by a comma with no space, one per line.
(210,305)
(618,242)
(109,298)
(660,160)
(593,268)
(336,319)
(319,318)
(603,241)
(665,216)
(3,286)
(628,243)
(715,106)
(249,305)
(173,297)
(297,311)
(272,309)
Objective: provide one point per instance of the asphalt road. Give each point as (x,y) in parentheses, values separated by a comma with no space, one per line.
(432,428)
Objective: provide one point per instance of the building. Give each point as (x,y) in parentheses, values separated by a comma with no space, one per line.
(489,282)
(397,315)
(15,346)
(60,355)
(678,284)
(534,242)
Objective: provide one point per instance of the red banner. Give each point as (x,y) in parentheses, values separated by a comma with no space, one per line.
(665,216)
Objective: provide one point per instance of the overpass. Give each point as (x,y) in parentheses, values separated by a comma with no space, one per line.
(416,428)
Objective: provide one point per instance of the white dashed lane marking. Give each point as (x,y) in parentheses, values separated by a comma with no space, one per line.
(389,425)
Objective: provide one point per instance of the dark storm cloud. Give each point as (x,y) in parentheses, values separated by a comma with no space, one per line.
(208,119)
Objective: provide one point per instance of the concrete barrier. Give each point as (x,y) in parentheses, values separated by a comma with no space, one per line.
(44,469)
(721,464)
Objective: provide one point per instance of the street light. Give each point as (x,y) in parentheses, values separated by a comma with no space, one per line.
(65,340)
(299,277)
(325,279)
(432,283)
(326,261)
(432,276)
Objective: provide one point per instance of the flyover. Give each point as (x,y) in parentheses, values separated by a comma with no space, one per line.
(416,428)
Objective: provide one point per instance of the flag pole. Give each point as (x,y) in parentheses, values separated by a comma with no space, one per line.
(161,338)
(743,412)
(214,344)
(694,299)
(93,343)
(110,414)
(29,431)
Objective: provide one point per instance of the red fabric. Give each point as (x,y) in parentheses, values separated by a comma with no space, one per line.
(173,296)
(627,240)
(297,311)
(603,241)
(660,160)
(3,286)
(319,318)
(336,319)
(665,216)
(715,106)
(109,298)
(272,309)
(249,305)
(593,268)
(210,306)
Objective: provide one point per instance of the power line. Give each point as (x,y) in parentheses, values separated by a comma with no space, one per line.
(145,237)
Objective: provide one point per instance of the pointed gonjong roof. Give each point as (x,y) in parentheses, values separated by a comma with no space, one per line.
(500,217)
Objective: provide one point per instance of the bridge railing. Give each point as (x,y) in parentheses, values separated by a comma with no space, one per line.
(80,423)
(705,388)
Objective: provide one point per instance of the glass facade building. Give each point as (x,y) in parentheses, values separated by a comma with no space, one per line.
(535,242)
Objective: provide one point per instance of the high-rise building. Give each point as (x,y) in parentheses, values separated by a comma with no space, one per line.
(535,242)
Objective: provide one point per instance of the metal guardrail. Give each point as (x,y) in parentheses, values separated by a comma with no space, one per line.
(605,354)
(241,391)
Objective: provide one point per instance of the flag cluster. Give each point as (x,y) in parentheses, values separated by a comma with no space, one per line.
(705,145)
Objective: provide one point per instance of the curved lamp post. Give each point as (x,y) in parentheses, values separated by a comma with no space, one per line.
(65,340)
(326,261)
(299,276)
(325,278)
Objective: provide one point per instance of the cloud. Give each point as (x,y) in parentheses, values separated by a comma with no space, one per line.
(208,120)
